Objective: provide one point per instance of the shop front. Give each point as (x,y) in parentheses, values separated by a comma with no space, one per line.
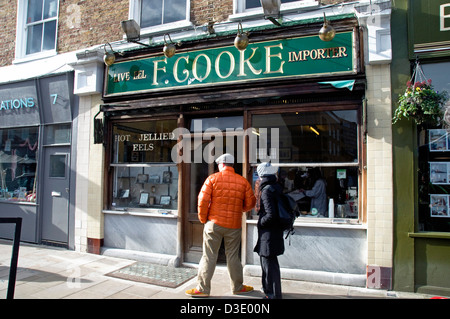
(289,98)
(36,159)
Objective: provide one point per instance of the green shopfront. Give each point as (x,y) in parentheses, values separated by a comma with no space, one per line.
(422,219)
(37,159)
(288,97)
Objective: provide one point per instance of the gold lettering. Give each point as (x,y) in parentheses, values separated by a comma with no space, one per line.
(175,69)
(208,67)
(269,55)
(243,60)
(342,51)
(139,75)
(156,69)
(232,64)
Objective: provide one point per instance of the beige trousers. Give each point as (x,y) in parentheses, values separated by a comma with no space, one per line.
(212,239)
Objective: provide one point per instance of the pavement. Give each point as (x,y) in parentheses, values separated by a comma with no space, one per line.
(56,273)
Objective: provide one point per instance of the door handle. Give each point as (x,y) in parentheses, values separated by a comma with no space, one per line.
(56,194)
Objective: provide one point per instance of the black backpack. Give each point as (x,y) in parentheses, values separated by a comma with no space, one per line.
(287,210)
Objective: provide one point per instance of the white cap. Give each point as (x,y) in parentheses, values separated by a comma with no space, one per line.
(225,158)
(265,169)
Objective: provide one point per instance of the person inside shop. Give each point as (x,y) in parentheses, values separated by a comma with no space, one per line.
(270,243)
(223,198)
(318,193)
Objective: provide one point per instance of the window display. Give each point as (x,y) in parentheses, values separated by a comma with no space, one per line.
(316,147)
(18,162)
(144,175)
(145,186)
(434,182)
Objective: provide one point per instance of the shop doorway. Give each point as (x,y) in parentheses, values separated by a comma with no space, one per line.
(204,148)
(55,197)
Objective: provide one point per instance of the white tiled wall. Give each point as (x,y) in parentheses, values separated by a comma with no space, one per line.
(379,166)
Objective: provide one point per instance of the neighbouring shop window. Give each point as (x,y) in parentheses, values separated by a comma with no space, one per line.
(434,161)
(312,146)
(18,162)
(434,179)
(144,175)
(158,12)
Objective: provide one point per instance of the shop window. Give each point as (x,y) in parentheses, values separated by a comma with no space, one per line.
(144,175)
(434,180)
(58,166)
(18,162)
(57,134)
(37,27)
(308,144)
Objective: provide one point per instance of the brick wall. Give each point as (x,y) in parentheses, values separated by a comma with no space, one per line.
(84,23)
(8,34)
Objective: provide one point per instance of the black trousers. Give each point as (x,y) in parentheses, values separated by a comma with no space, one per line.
(271,277)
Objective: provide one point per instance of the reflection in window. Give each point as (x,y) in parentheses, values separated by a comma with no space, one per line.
(144,175)
(157,12)
(58,166)
(143,142)
(312,137)
(41,25)
(18,162)
(315,146)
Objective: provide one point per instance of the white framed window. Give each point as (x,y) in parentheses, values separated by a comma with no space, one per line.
(244,8)
(37,28)
(160,15)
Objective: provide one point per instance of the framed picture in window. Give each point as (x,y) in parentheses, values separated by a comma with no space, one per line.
(141,178)
(439,205)
(438,140)
(143,199)
(165,200)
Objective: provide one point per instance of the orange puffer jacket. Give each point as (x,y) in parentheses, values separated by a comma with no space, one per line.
(224,197)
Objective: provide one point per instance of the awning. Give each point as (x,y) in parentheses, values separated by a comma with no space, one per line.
(347,84)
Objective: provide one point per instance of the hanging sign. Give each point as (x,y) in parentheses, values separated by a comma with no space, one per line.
(280,59)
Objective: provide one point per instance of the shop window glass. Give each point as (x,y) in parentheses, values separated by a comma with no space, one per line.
(58,134)
(18,162)
(144,174)
(434,180)
(309,143)
(58,166)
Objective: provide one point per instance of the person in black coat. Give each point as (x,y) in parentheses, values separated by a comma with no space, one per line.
(270,242)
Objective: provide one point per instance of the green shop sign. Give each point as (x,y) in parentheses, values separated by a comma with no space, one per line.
(280,59)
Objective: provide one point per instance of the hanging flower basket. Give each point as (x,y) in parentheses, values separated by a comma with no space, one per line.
(421,102)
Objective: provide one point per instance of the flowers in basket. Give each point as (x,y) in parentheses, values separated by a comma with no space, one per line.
(421,103)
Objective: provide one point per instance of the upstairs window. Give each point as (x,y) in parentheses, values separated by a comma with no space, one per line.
(246,7)
(157,12)
(37,28)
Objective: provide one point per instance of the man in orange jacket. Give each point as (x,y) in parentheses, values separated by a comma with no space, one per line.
(222,200)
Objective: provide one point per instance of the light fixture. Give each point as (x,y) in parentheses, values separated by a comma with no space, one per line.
(271,10)
(241,40)
(314,130)
(327,32)
(132,31)
(109,58)
(169,48)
